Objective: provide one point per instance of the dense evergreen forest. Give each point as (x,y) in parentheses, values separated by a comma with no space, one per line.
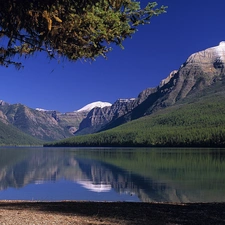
(10,135)
(198,121)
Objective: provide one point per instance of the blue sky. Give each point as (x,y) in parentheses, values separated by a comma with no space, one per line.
(153,52)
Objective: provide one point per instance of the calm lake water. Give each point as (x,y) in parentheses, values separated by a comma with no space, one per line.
(113,174)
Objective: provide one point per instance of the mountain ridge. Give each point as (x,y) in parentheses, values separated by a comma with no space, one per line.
(201,70)
(168,116)
(197,121)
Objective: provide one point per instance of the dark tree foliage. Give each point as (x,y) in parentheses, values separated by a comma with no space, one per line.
(75,29)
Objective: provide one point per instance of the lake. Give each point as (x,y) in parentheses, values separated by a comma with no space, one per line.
(112,174)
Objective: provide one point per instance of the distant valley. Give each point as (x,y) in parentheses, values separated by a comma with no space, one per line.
(44,125)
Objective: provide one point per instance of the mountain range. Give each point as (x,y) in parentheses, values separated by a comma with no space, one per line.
(198,75)
(45,125)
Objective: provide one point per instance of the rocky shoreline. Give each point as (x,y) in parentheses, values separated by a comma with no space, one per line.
(119,213)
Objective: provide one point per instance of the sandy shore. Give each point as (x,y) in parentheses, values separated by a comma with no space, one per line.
(71,212)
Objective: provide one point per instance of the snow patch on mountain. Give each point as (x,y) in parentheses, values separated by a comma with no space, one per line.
(3,102)
(221,50)
(126,99)
(42,110)
(92,105)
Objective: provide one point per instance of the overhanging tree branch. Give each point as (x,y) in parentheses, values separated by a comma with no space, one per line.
(75,29)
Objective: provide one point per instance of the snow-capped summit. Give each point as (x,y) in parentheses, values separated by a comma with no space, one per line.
(92,105)
(42,110)
(209,55)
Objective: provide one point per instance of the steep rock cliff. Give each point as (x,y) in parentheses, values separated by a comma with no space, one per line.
(200,70)
(98,117)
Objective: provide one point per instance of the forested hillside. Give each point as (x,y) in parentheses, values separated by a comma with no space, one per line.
(9,135)
(199,120)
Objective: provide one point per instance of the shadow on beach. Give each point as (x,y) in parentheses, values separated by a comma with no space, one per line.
(127,212)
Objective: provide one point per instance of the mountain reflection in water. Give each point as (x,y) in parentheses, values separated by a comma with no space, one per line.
(148,175)
(95,187)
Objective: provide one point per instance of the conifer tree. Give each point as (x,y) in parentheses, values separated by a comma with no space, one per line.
(74,29)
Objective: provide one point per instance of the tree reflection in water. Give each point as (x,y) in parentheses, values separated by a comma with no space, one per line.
(156,175)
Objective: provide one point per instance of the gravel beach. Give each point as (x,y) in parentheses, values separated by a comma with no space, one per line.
(73,212)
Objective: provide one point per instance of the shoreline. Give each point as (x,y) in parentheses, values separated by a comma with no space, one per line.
(118,213)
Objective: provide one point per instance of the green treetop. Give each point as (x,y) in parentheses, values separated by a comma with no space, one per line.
(75,29)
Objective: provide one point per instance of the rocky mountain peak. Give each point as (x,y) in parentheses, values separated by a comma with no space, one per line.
(3,102)
(166,80)
(208,56)
(125,100)
(222,43)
